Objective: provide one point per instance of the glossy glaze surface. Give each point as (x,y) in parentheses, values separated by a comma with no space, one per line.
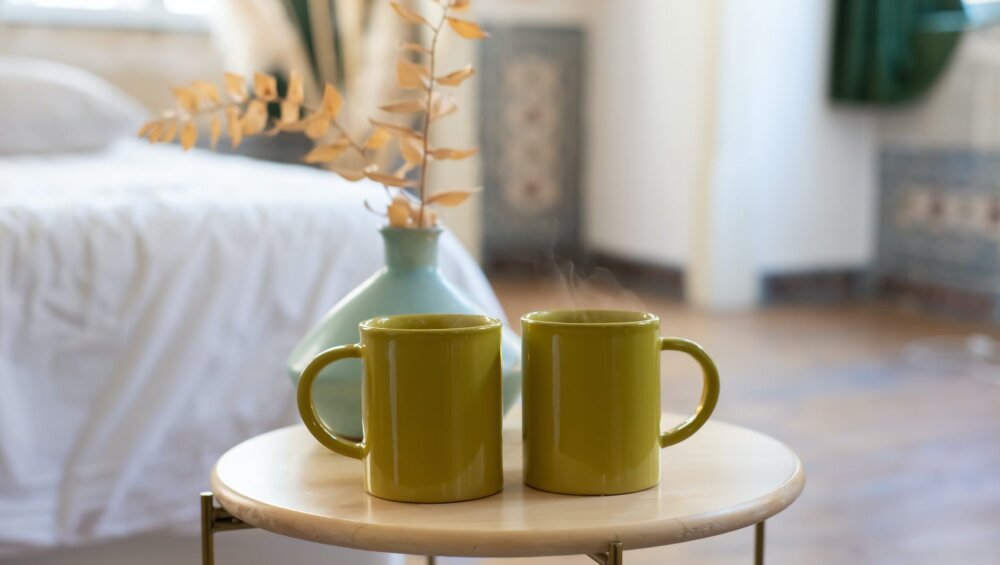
(432,406)
(410,283)
(724,478)
(592,400)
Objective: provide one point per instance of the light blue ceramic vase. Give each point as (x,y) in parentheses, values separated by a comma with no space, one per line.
(410,283)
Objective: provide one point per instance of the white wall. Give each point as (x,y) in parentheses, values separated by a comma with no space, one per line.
(464,221)
(961,110)
(536,12)
(803,169)
(817,161)
(647,121)
(143,63)
(713,146)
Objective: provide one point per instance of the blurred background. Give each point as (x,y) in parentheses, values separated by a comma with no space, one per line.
(810,189)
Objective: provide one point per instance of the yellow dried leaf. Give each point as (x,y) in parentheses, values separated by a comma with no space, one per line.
(169,131)
(255,119)
(396,129)
(295,92)
(410,74)
(265,86)
(455,154)
(400,212)
(189,135)
(467,29)
(456,78)
(411,149)
(378,139)
(404,106)
(443,105)
(332,101)
(146,128)
(325,153)
(449,198)
(155,132)
(409,15)
(460,5)
(186,98)
(233,126)
(414,47)
(236,87)
(317,127)
(390,180)
(398,217)
(214,131)
(352,175)
(206,91)
(289,112)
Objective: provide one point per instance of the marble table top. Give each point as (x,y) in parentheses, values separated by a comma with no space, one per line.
(724,478)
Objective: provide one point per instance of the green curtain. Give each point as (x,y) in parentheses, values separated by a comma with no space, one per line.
(891,51)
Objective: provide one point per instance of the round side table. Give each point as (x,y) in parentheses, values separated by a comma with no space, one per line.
(722,479)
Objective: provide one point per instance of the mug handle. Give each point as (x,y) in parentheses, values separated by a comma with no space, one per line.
(307,409)
(709,392)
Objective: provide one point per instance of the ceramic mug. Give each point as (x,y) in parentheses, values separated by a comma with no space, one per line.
(431,406)
(591,392)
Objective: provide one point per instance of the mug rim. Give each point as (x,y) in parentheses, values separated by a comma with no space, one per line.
(485,323)
(642,319)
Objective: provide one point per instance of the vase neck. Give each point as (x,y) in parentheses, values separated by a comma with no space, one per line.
(410,248)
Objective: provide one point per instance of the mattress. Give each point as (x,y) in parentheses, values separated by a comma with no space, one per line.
(148,299)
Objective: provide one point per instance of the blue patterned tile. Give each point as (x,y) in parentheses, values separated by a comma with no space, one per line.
(531,85)
(939,229)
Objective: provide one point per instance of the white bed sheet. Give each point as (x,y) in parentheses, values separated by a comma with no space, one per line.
(148,299)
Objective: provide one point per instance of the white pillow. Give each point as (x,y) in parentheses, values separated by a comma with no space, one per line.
(49,107)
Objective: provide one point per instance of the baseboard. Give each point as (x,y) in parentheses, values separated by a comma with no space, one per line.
(935,298)
(819,286)
(629,274)
(664,280)
(530,262)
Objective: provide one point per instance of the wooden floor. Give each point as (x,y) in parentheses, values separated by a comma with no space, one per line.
(903,465)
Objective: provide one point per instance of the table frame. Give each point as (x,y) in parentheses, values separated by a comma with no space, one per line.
(216,519)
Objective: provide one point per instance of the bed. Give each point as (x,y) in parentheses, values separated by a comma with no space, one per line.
(148,299)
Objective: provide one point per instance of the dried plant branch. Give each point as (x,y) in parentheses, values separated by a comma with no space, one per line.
(427,112)
(246,113)
(189,112)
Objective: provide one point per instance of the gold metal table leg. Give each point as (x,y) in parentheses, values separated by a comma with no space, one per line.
(612,557)
(758,544)
(214,519)
(207,543)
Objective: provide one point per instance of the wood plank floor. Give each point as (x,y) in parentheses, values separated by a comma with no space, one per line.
(903,465)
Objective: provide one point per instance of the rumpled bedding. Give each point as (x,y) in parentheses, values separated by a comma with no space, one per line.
(148,300)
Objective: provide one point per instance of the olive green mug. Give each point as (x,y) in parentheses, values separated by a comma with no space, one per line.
(431,406)
(591,395)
